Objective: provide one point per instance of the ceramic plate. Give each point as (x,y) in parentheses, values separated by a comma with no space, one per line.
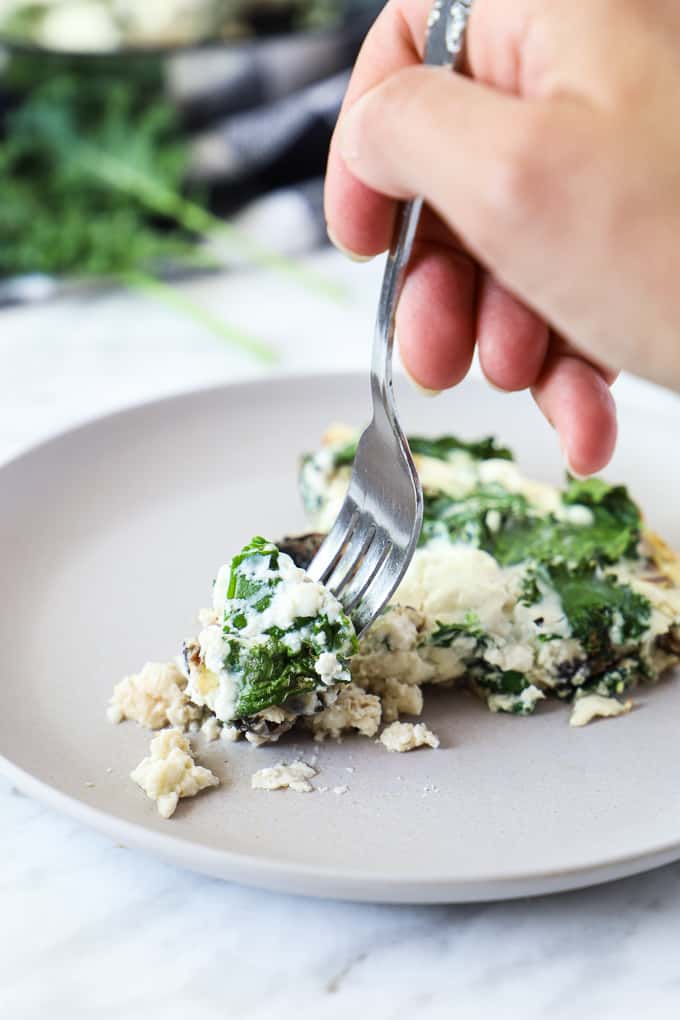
(110,537)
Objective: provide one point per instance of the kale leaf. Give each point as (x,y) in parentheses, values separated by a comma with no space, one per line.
(519,533)
(595,603)
(465,520)
(277,664)
(438,449)
(442,447)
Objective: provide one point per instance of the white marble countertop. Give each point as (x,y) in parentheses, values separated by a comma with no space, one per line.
(91,930)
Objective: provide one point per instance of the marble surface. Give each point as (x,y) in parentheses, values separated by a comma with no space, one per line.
(91,930)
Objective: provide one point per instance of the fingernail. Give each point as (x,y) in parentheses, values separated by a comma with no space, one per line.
(569,466)
(423,390)
(347,252)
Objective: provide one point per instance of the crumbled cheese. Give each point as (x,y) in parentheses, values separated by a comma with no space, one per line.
(328,668)
(446,581)
(295,597)
(285,777)
(354,709)
(339,790)
(155,697)
(408,736)
(576,514)
(398,698)
(211,728)
(518,704)
(170,772)
(593,706)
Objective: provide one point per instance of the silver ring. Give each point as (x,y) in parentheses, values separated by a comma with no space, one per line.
(446,26)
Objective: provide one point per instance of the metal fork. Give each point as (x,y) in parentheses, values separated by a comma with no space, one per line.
(369,548)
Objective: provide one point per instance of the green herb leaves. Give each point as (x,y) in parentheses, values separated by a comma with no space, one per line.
(477,519)
(444,446)
(276,637)
(601,611)
(446,633)
(505,525)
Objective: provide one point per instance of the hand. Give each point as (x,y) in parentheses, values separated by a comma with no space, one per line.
(552,176)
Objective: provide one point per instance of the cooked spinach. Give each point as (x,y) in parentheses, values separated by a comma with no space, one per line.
(278,664)
(613,533)
(519,533)
(596,604)
(439,449)
(466,520)
(505,690)
(442,447)
(446,633)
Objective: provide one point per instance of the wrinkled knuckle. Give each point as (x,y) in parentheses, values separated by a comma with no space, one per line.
(524,173)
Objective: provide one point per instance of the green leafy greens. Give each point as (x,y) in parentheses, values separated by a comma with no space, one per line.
(515,532)
(276,664)
(597,605)
(446,633)
(444,446)
(439,449)
(475,519)
(568,552)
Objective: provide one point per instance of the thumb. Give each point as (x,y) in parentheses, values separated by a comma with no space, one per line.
(501,171)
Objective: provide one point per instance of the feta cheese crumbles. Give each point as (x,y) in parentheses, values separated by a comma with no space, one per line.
(155,697)
(522,703)
(352,709)
(400,736)
(398,698)
(211,729)
(170,772)
(285,777)
(593,706)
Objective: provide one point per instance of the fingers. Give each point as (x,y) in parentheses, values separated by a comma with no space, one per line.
(575,398)
(360,219)
(512,340)
(427,132)
(436,316)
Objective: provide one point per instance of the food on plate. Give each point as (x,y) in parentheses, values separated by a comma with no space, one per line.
(285,777)
(170,772)
(594,706)
(155,697)
(519,590)
(274,647)
(403,736)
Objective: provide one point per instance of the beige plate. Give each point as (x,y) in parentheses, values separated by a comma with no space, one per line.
(110,537)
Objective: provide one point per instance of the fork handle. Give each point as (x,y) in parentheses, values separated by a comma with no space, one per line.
(444,48)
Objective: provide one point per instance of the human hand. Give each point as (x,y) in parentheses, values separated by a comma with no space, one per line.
(552,177)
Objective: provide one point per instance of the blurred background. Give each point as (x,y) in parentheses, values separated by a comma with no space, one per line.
(161,185)
(132,131)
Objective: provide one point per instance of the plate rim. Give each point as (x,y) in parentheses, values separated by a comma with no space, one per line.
(289,876)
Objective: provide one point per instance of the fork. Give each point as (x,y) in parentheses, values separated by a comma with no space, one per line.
(370,546)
